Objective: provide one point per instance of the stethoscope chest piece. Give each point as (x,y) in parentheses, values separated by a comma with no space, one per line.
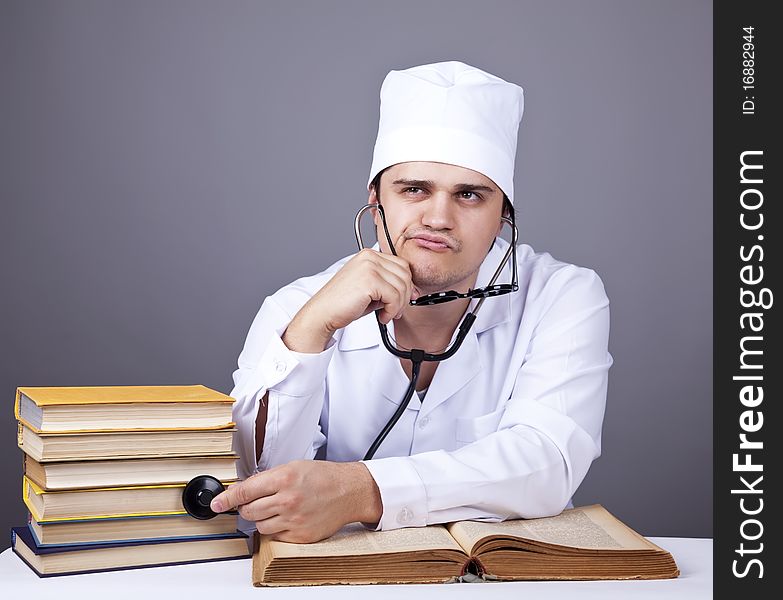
(198,494)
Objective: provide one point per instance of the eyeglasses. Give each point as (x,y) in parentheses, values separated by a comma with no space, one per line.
(488,291)
(485,292)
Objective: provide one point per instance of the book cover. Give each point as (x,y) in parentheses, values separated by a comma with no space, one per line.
(123,394)
(109,408)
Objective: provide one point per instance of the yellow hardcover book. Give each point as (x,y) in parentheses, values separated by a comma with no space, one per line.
(102,503)
(125,408)
(87,474)
(92,445)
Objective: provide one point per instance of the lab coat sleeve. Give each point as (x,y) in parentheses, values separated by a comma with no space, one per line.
(547,437)
(296,385)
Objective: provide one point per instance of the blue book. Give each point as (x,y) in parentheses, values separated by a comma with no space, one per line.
(47,561)
(126,529)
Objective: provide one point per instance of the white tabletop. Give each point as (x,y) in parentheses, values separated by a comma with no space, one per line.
(230,580)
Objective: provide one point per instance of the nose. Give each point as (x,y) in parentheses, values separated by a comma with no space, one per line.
(438,211)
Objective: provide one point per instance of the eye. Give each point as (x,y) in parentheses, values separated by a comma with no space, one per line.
(468,195)
(411,190)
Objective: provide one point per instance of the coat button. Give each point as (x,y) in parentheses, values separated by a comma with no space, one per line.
(423,422)
(404,516)
(279,366)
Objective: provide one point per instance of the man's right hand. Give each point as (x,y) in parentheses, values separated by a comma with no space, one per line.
(367,282)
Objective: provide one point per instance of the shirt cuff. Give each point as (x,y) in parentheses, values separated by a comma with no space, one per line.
(278,362)
(403,494)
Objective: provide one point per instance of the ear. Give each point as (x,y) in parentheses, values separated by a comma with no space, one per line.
(373,199)
(503,213)
(501,223)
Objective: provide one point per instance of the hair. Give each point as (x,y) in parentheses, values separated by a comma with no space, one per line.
(508,207)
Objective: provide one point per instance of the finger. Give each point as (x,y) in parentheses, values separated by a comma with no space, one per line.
(258,510)
(391,259)
(395,263)
(271,526)
(399,263)
(373,265)
(403,272)
(400,280)
(404,290)
(237,494)
(295,537)
(390,296)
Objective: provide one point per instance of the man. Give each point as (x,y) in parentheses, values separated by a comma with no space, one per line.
(505,428)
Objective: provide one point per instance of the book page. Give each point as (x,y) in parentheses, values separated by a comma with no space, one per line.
(354,539)
(587,527)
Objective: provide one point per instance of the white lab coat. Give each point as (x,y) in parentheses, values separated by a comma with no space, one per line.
(509,425)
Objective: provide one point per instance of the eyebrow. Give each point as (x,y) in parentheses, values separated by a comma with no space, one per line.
(460,187)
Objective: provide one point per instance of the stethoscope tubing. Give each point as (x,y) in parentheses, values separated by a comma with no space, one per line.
(417,356)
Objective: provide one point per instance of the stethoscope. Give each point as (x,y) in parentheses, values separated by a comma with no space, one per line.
(417,356)
(198,494)
(199,491)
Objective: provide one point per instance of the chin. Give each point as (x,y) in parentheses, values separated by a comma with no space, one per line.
(436,273)
(430,280)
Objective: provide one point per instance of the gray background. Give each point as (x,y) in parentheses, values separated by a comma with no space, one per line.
(165,165)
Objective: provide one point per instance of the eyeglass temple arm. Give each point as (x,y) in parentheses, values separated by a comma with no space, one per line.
(510,252)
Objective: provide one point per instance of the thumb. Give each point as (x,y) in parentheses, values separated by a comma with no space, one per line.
(243,492)
(233,496)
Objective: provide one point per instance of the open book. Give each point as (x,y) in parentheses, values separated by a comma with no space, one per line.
(581,543)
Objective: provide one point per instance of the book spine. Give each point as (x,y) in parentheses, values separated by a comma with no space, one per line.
(16,402)
(473,566)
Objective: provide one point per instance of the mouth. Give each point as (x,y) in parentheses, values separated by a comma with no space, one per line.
(429,241)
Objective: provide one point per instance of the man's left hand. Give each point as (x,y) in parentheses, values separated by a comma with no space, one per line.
(305,500)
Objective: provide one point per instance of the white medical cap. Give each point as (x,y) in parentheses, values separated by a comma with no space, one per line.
(452,113)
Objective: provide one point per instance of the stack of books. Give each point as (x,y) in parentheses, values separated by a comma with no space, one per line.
(104,472)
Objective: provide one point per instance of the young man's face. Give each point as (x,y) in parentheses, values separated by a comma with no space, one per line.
(442,220)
